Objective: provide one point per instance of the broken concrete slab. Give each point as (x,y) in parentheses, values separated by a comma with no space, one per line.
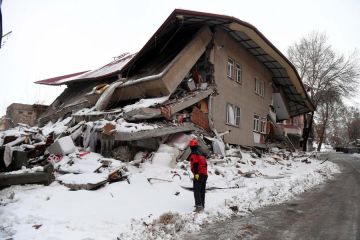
(63,146)
(19,159)
(157,132)
(190,100)
(163,83)
(142,114)
(150,144)
(87,186)
(171,108)
(85,181)
(45,177)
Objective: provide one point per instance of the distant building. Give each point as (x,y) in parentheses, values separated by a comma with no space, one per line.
(23,113)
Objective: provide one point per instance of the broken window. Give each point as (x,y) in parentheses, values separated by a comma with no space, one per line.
(20,112)
(259,87)
(29,112)
(230,68)
(238,73)
(259,124)
(232,114)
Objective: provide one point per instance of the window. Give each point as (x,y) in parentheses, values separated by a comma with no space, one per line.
(263,125)
(234,70)
(256,126)
(232,114)
(20,112)
(259,87)
(230,68)
(29,112)
(259,124)
(238,72)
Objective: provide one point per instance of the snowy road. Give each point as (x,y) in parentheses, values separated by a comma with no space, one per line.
(331,211)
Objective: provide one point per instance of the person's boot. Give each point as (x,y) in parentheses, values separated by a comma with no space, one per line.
(198,208)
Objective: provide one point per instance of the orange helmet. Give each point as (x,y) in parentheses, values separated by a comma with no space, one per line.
(193,143)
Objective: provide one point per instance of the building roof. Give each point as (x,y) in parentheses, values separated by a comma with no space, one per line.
(59,79)
(109,69)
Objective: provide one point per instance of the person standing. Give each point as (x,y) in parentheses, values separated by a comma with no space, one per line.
(198,166)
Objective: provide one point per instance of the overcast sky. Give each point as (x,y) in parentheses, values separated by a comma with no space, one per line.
(58,37)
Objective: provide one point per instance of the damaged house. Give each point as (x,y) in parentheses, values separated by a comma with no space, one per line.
(199,72)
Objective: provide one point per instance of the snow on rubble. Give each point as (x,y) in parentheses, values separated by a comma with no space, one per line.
(154,203)
(143,103)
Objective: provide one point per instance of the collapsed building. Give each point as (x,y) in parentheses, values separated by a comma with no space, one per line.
(210,74)
(218,71)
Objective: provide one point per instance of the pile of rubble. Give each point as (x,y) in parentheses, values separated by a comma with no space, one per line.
(87,152)
(73,153)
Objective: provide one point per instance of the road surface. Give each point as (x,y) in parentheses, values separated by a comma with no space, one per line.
(329,211)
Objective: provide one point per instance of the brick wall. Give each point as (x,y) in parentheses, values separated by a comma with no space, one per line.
(199,118)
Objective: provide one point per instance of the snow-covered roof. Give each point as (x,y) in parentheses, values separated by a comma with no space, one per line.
(110,68)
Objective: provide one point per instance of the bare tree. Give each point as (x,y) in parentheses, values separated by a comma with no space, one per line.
(323,71)
(354,129)
(338,126)
(327,113)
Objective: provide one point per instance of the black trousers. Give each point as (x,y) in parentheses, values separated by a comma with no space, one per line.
(199,190)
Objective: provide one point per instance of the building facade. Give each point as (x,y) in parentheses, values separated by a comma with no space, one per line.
(23,113)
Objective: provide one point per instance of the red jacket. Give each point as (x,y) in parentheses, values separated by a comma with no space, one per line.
(198,164)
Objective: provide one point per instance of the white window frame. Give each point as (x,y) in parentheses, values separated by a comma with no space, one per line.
(259,87)
(263,125)
(238,73)
(256,123)
(230,68)
(235,119)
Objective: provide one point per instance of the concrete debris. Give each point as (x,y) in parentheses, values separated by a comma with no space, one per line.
(109,128)
(41,177)
(219,147)
(87,186)
(252,174)
(63,146)
(118,175)
(122,153)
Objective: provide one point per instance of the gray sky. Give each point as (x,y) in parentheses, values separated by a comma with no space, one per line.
(58,37)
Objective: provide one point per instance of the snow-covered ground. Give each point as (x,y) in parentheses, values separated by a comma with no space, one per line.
(151,209)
